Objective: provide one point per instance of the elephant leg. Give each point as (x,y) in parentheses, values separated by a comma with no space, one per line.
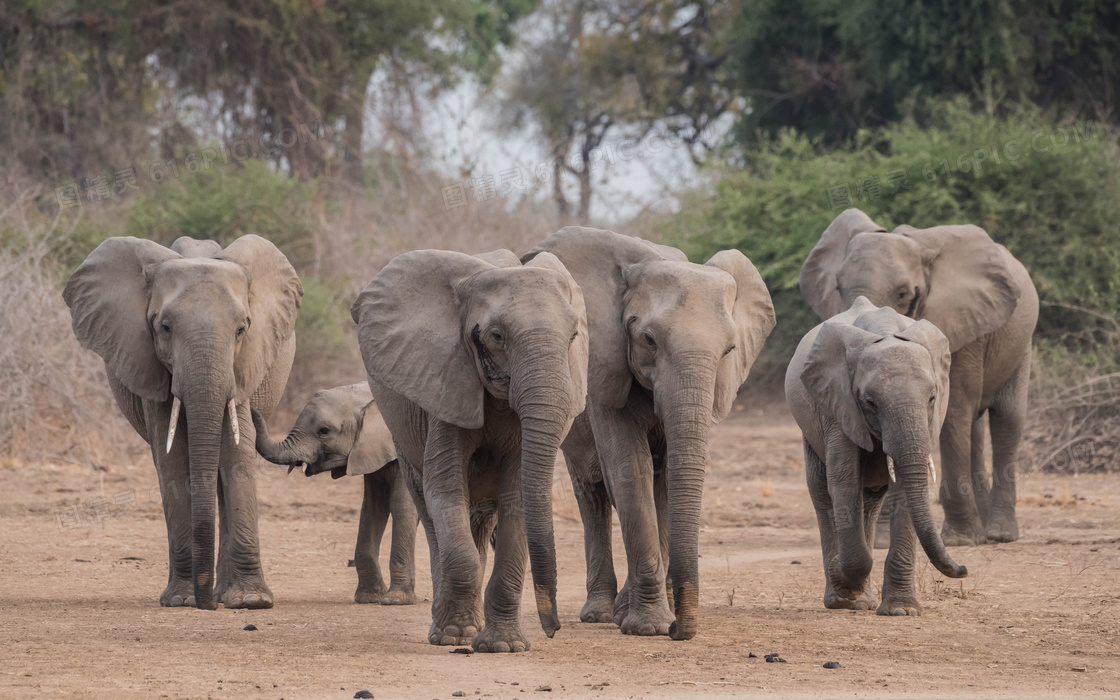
(175,492)
(402,555)
(1006,416)
(898,574)
(371,528)
(962,526)
(237,477)
(224,568)
(628,468)
(661,498)
(502,630)
(413,481)
(850,567)
(595,511)
(455,619)
(981,483)
(817,480)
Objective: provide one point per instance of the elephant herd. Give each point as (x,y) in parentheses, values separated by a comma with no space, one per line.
(616,352)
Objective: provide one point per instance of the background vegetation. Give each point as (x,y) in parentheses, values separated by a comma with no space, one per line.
(241,116)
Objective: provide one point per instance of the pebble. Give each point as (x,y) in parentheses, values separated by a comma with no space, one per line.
(544,689)
(250,628)
(351,564)
(774,659)
(461,650)
(795,562)
(832,664)
(458,694)
(363,694)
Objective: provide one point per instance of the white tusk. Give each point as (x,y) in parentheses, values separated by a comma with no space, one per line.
(174,422)
(233,422)
(890,468)
(932,469)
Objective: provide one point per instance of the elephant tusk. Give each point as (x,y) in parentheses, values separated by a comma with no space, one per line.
(233,422)
(890,468)
(174,422)
(932,469)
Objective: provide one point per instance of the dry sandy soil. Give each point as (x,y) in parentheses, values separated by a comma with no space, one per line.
(83,560)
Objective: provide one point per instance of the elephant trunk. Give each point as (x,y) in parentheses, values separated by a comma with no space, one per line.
(297,447)
(911,459)
(206,401)
(541,394)
(685,408)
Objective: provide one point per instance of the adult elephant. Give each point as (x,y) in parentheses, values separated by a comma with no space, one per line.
(983,300)
(341,431)
(192,337)
(479,367)
(671,343)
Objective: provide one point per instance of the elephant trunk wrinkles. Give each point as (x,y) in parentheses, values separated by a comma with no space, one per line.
(541,395)
(685,408)
(911,459)
(295,448)
(207,388)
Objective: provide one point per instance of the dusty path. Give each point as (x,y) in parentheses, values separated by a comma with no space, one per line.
(79,614)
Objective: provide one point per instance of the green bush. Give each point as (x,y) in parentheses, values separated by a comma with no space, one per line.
(1054,204)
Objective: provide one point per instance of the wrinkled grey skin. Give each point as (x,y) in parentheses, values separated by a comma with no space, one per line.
(479,366)
(204,325)
(983,300)
(867,385)
(671,343)
(341,431)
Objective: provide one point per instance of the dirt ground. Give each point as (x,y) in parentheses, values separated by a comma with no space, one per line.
(83,559)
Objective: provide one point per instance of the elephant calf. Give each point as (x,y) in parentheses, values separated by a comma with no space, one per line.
(869,389)
(341,431)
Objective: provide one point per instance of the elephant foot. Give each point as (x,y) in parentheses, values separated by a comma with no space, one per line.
(399,596)
(178,594)
(598,608)
(621,607)
(500,639)
(451,635)
(368,594)
(862,601)
(252,594)
(898,606)
(1002,528)
(960,536)
(648,623)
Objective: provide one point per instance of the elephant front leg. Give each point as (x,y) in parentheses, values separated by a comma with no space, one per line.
(898,574)
(817,481)
(455,619)
(1006,416)
(502,631)
(962,526)
(175,493)
(371,528)
(628,468)
(245,585)
(402,555)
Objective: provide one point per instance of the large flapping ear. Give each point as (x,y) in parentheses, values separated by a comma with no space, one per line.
(577,351)
(411,336)
(818,273)
(596,259)
(828,376)
(274,299)
(753,316)
(972,288)
(932,339)
(373,448)
(108,298)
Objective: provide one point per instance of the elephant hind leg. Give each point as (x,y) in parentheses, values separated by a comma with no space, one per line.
(981,483)
(595,511)
(371,529)
(1006,416)
(502,609)
(402,556)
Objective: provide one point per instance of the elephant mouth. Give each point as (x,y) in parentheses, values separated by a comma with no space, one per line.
(333,463)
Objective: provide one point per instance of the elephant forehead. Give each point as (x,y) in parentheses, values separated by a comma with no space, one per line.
(898,360)
(185,273)
(683,279)
(874,259)
(501,286)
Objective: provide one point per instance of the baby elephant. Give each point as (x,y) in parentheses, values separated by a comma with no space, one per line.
(341,431)
(869,388)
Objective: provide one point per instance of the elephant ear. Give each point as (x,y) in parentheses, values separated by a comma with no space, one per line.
(667,252)
(828,376)
(972,287)
(373,448)
(410,333)
(932,339)
(108,300)
(818,273)
(274,299)
(753,316)
(596,259)
(577,351)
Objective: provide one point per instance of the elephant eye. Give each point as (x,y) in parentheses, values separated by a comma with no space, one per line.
(165,326)
(496,336)
(728,351)
(240,331)
(870,404)
(324,431)
(648,337)
(932,399)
